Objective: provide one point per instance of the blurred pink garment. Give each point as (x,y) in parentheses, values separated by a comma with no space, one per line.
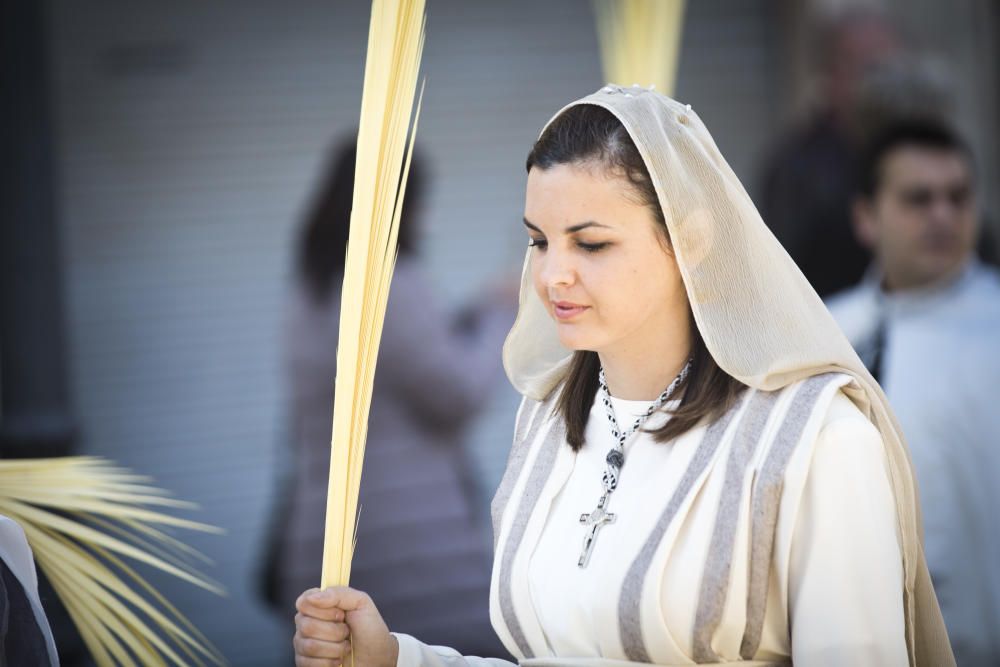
(421,552)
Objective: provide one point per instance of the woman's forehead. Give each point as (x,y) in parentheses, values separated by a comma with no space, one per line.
(568,195)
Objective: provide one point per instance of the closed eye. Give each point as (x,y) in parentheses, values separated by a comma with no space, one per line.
(541,244)
(593,247)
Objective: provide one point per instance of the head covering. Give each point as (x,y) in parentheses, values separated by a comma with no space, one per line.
(760,319)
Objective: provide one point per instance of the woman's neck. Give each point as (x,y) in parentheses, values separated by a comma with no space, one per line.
(634,374)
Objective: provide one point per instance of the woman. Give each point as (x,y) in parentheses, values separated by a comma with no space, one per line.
(702,470)
(418,511)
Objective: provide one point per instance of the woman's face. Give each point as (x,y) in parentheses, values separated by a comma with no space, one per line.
(600,261)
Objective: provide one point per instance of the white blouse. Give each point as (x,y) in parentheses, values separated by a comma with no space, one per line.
(563,593)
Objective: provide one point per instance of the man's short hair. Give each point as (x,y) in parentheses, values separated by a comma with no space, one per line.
(915,133)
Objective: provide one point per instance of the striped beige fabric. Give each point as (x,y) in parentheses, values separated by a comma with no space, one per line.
(749,448)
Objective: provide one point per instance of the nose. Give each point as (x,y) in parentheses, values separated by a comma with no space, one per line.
(555,268)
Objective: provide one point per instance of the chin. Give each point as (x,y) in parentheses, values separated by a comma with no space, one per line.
(939,268)
(572,340)
(576,340)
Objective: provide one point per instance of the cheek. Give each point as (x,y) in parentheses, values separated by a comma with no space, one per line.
(969,226)
(664,284)
(628,292)
(896,232)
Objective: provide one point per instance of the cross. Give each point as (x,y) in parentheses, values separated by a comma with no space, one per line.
(596,520)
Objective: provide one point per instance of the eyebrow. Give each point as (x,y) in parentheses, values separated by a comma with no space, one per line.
(571,229)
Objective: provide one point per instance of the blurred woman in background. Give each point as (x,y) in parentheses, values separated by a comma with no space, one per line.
(420,544)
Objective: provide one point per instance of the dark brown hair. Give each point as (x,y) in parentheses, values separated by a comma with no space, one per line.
(322,243)
(905,133)
(593,135)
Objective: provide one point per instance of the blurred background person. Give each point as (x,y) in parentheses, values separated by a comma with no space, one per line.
(906,91)
(867,78)
(25,636)
(420,543)
(808,179)
(926,321)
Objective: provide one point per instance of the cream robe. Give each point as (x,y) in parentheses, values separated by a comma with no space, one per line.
(777,515)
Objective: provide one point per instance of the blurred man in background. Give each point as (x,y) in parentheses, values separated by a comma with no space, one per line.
(809,177)
(926,321)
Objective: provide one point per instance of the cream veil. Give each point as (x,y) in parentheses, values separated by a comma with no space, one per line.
(760,319)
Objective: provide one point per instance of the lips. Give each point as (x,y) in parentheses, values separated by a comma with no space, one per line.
(567,310)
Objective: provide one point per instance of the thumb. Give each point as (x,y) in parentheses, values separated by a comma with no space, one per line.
(341,597)
(330,604)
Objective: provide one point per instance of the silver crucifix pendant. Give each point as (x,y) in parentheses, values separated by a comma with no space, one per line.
(596,520)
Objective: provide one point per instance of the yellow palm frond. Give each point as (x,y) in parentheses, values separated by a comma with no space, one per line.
(640,41)
(395,44)
(81,516)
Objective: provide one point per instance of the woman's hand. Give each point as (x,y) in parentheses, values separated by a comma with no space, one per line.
(333,621)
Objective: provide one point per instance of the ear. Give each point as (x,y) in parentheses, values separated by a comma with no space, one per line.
(864,220)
